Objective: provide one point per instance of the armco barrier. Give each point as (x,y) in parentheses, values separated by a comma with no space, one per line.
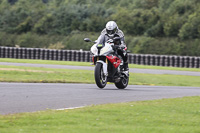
(84,56)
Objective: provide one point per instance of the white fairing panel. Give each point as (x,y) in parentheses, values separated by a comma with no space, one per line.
(94,49)
(106,49)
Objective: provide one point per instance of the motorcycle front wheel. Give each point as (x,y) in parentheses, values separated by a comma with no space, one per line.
(100,78)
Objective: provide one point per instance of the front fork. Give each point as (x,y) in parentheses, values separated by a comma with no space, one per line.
(104,64)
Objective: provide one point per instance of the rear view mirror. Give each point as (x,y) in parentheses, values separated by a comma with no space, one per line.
(87,40)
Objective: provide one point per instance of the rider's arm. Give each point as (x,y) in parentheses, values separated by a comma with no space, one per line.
(101,39)
(123,44)
(121,35)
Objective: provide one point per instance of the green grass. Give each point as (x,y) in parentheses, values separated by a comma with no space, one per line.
(50,75)
(180,115)
(44,75)
(72,63)
(165,80)
(88,64)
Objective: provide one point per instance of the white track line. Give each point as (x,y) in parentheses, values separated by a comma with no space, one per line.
(71,108)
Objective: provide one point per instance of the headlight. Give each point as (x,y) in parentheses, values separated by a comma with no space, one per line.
(104,50)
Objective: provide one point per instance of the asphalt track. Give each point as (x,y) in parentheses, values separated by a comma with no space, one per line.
(31,97)
(132,70)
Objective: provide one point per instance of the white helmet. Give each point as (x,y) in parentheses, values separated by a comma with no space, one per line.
(111,28)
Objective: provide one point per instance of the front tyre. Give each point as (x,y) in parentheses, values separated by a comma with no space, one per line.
(100,78)
(123,82)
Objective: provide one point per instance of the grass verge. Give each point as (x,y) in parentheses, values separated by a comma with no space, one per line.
(50,75)
(180,115)
(73,63)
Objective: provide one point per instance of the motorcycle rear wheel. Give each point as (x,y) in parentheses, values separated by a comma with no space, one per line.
(100,79)
(122,84)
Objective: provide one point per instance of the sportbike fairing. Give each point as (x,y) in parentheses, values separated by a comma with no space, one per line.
(105,47)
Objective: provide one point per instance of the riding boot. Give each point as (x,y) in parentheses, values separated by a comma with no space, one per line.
(126,66)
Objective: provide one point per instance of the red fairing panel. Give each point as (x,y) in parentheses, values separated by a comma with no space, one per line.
(114,60)
(93,59)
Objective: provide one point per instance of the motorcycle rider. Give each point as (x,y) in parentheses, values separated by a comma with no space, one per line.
(109,32)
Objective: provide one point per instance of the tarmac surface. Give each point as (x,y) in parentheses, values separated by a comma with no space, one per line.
(31,97)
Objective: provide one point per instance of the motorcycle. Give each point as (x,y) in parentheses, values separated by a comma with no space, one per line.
(108,64)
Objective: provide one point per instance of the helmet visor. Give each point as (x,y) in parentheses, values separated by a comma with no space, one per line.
(110,32)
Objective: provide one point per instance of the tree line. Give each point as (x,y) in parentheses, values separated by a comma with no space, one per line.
(150,26)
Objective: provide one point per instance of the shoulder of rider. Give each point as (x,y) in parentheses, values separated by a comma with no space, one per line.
(120,33)
(103,31)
